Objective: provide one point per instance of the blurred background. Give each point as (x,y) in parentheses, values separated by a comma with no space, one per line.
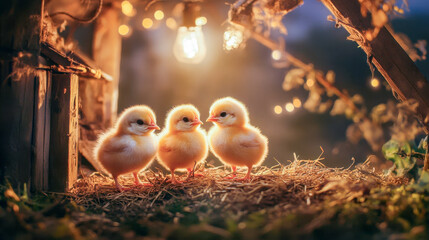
(151,75)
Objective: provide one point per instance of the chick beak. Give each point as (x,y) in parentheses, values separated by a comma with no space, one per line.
(196,122)
(212,119)
(153,126)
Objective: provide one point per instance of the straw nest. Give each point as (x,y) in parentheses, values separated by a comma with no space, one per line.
(302,184)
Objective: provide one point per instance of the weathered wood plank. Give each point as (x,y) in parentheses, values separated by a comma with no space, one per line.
(387,55)
(16,121)
(63,159)
(41,131)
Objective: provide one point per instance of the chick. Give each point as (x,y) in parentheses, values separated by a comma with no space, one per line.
(232,139)
(129,146)
(182,143)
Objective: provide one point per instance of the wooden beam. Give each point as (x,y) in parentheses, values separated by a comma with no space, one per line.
(386,54)
(63,151)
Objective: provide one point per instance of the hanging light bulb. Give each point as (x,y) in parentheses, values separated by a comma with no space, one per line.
(189,46)
(234,37)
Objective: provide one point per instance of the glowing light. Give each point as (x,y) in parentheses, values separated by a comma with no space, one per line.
(127,8)
(310,82)
(375,83)
(189,46)
(232,38)
(276,55)
(278,109)
(200,21)
(124,30)
(159,15)
(296,102)
(171,23)
(147,23)
(289,107)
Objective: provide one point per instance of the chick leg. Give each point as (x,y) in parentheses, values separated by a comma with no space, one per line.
(247,177)
(138,182)
(173,179)
(118,185)
(191,172)
(233,174)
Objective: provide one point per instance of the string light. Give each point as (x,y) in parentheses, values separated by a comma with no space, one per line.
(375,83)
(124,30)
(127,8)
(233,38)
(200,21)
(147,23)
(296,102)
(189,46)
(278,109)
(171,23)
(158,15)
(289,107)
(276,55)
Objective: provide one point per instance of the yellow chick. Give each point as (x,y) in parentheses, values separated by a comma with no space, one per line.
(182,143)
(131,145)
(232,139)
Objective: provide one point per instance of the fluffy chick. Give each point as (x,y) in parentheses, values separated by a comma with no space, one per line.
(232,139)
(129,146)
(182,143)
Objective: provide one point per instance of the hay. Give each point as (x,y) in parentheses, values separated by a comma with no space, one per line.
(279,189)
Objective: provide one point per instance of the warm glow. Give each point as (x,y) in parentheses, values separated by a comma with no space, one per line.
(124,30)
(276,55)
(200,21)
(189,46)
(147,23)
(159,15)
(232,38)
(171,23)
(289,107)
(278,109)
(375,83)
(296,102)
(127,8)
(310,82)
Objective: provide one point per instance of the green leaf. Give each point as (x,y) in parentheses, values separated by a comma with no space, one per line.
(400,155)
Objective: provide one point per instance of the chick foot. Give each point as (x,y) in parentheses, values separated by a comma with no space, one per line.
(247,177)
(173,179)
(234,173)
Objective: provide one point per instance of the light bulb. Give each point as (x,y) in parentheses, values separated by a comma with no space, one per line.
(233,38)
(189,46)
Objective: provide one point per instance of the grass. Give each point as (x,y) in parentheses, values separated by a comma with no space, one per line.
(303,200)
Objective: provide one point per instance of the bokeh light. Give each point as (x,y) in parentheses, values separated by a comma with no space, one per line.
(171,23)
(127,8)
(276,55)
(310,82)
(158,15)
(296,102)
(278,109)
(124,30)
(289,107)
(232,38)
(147,23)
(200,21)
(375,83)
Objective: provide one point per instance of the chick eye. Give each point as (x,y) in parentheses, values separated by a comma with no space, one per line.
(185,119)
(223,114)
(140,122)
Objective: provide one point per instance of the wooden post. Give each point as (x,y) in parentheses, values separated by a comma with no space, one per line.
(19,50)
(387,55)
(63,151)
(41,130)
